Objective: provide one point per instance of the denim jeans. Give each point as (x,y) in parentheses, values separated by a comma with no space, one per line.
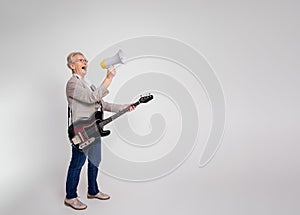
(77,161)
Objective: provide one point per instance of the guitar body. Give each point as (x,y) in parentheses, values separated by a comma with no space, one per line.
(84,132)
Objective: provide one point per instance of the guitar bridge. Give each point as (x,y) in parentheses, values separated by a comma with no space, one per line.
(76,140)
(87,143)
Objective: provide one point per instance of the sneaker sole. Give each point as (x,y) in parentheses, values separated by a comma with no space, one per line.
(91,197)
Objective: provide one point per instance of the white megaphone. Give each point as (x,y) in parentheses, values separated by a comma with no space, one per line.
(117,58)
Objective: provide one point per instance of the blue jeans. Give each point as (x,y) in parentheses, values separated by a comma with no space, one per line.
(77,161)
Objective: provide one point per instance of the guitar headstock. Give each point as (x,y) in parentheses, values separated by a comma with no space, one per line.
(145,99)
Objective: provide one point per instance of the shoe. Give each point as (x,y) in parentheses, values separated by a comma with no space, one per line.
(75,203)
(100,195)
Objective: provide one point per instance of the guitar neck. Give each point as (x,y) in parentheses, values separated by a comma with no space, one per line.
(118,114)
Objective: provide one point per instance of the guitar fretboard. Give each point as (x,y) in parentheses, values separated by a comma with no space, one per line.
(118,114)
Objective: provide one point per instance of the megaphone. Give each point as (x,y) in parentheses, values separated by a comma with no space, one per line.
(117,58)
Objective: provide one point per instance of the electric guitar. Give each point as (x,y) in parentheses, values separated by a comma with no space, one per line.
(83,132)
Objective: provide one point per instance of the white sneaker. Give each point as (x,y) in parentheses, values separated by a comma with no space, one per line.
(75,203)
(100,195)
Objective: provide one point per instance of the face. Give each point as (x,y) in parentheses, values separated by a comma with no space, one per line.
(80,65)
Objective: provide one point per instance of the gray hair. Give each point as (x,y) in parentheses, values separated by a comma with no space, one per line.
(70,58)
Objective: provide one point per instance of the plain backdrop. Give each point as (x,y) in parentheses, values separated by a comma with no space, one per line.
(253,47)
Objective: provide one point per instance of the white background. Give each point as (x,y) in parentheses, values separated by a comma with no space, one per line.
(253,46)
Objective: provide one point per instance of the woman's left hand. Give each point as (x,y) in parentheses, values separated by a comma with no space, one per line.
(132,107)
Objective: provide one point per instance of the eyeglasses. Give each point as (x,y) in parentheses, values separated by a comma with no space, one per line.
(82,60)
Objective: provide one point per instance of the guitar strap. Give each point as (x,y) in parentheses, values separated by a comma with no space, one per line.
(69,116)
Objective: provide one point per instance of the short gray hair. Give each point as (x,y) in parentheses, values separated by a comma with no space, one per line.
(70,58)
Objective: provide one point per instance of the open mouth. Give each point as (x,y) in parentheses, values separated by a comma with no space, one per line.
(84,68)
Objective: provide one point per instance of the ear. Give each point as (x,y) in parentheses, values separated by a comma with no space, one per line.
(72,66)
